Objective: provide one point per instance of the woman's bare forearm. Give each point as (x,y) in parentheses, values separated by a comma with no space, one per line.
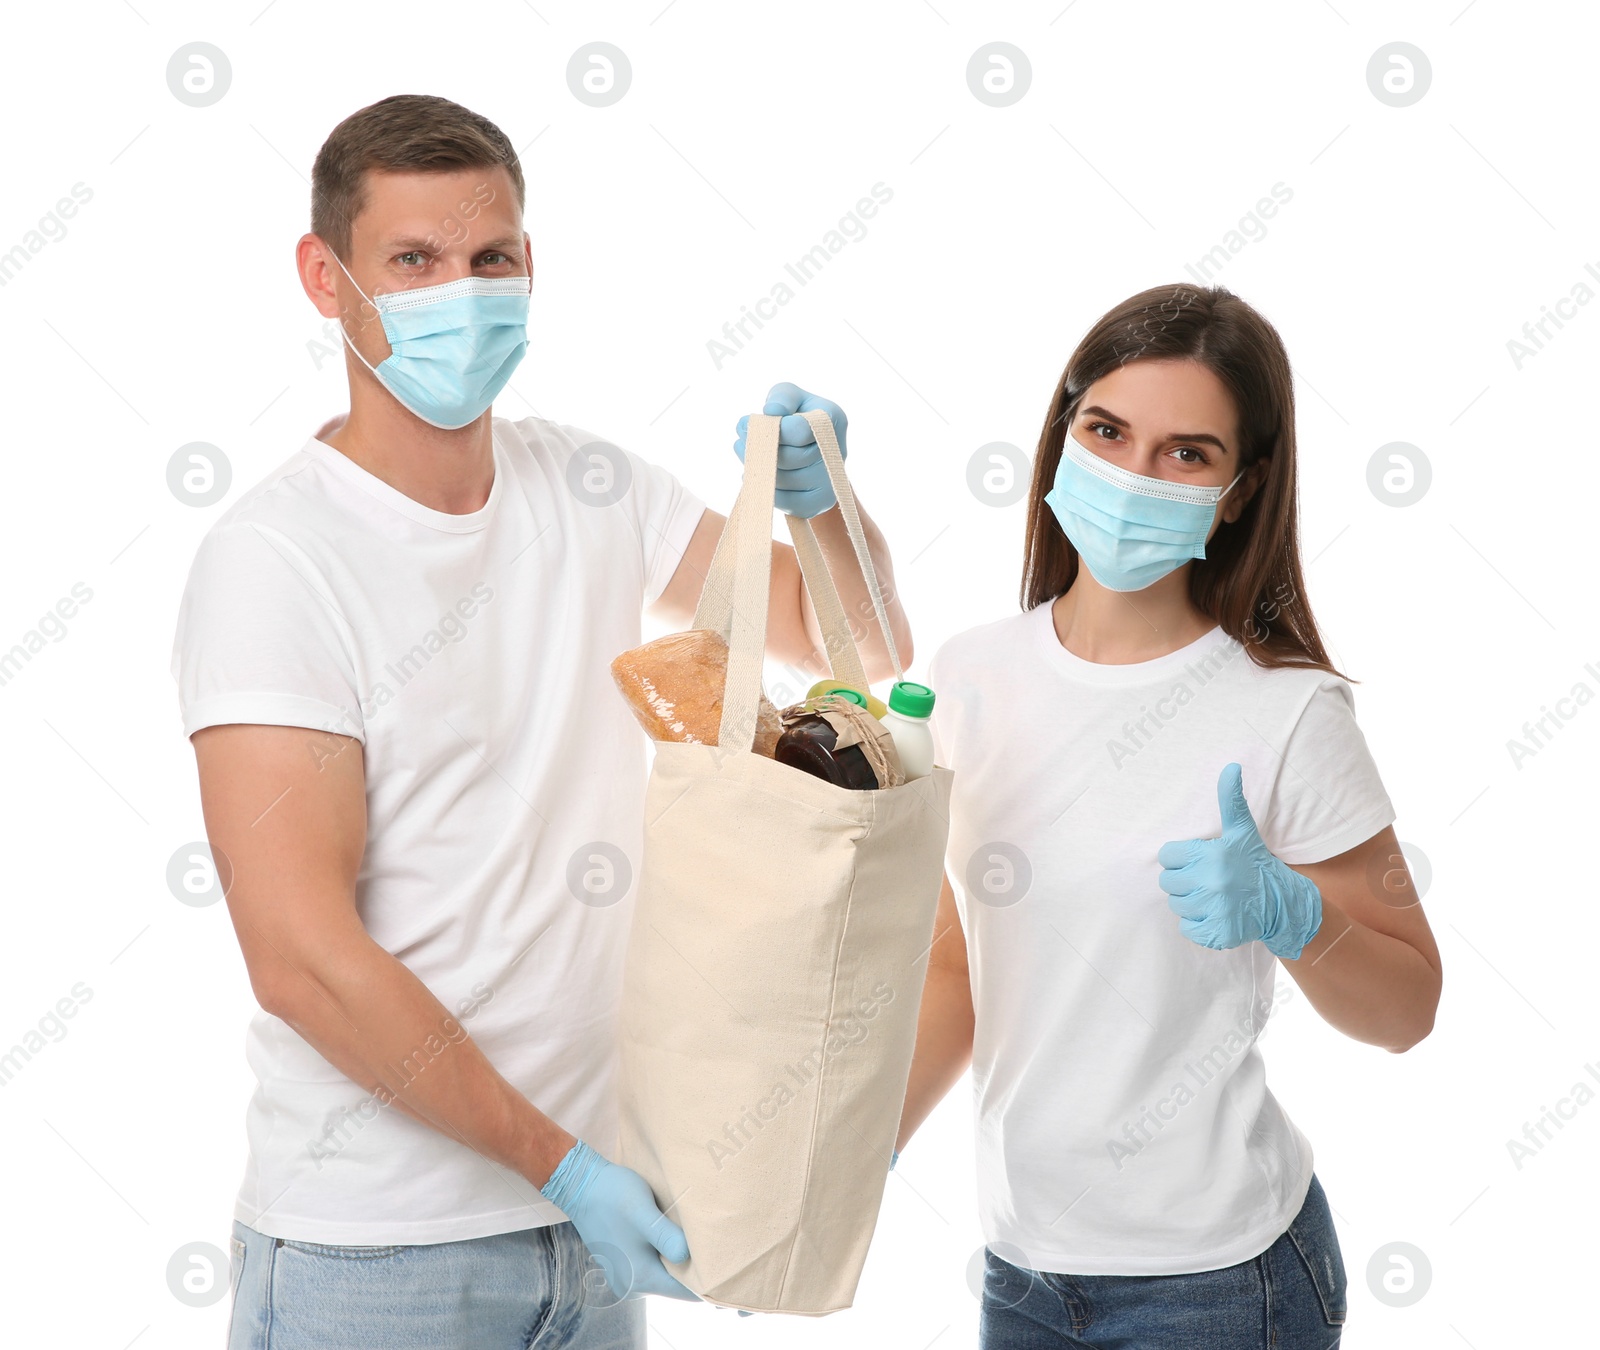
(1374,988)
(944,1046)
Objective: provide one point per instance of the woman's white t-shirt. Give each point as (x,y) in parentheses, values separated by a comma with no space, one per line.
(1124,1124)
(505,784)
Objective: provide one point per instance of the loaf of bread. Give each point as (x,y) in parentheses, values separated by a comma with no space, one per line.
(674,686)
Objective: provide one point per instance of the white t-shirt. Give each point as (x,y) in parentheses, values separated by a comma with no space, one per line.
(505,784)
(1124,1124)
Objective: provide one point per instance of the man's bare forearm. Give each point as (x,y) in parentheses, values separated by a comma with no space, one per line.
(376,1022)
(834,540)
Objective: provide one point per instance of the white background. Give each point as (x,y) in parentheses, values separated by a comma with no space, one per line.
(1417,242)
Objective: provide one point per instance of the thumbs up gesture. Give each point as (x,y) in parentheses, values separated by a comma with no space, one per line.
(1232,890)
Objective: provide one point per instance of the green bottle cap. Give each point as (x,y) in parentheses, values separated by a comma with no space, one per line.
(849,696)
(911,700)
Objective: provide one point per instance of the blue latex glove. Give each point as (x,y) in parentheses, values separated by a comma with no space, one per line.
(616,1216)
(803,486)
(1232,890)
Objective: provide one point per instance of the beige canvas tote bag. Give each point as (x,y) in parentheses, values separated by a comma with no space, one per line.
(775,964)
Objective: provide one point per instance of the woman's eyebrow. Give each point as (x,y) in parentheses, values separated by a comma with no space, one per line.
(1173,436)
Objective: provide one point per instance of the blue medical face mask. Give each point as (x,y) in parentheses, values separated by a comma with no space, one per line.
(453,346)
(1130,529)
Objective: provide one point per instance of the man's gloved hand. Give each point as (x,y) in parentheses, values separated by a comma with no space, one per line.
(616,1216)
(1232,890)
(803,486)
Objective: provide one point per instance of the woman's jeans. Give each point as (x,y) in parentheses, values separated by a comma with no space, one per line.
(534,1288)
(1291,1297)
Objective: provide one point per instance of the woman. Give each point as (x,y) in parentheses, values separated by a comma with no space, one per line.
(1161,792)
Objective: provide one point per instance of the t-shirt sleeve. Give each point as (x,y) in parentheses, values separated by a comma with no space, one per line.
(1329,796)
(662,512)
(259,638)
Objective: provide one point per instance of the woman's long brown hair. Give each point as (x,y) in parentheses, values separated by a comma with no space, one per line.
(1250,581)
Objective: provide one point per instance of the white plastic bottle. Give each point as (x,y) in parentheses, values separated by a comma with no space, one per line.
(910,706)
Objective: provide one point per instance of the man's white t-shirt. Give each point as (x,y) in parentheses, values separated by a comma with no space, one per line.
(1124,1124)
(505,784)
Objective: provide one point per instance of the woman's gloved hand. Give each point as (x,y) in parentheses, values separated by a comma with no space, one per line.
(616,1216)
(1232,890)
(803,486)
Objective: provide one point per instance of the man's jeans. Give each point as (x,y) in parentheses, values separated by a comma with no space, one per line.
(1291,1297)
(535,1288)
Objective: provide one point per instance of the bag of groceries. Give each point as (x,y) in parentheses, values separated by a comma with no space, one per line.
(779,941)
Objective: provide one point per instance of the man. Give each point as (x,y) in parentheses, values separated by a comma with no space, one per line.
(423,792)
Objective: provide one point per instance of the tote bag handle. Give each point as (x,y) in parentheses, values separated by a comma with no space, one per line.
(733,600)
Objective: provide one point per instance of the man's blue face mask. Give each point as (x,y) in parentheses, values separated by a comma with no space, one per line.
(453,346)
(1130,529)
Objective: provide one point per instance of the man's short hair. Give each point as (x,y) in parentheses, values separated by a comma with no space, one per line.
(404,133)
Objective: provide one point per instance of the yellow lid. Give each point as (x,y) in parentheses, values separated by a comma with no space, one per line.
(876,706)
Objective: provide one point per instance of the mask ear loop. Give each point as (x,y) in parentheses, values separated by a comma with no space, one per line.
(1214,505)
(343,332)
(353,281)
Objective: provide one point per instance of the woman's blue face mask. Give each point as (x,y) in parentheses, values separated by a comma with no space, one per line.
(1130,530)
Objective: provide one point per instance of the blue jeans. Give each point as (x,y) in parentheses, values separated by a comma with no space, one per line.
(537,1288)
(1291,1297)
